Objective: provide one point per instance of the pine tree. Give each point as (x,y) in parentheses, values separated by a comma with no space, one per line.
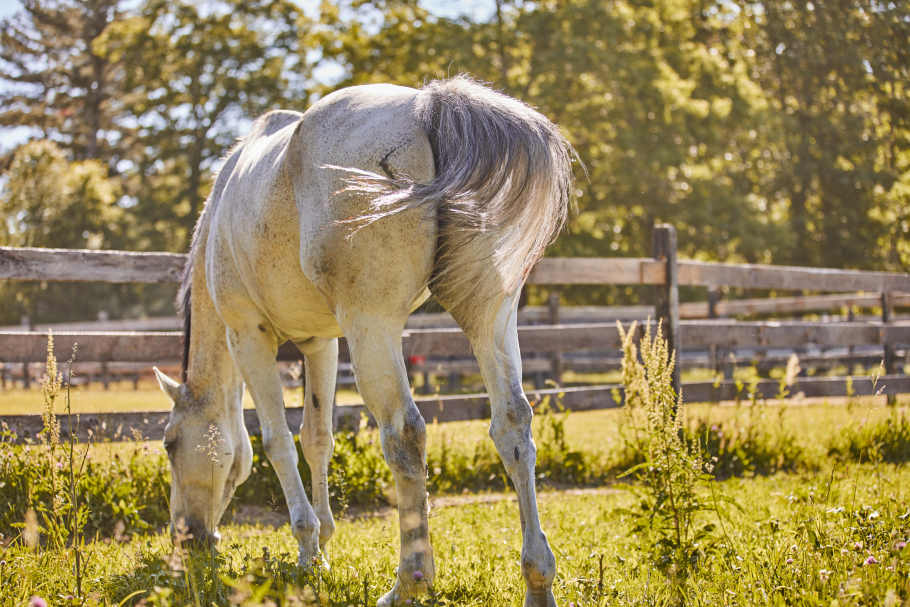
(54,80)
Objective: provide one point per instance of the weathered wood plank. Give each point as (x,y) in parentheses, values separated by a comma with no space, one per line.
(784,305)
(127,346)
(731,334)
(156,267)
(756,276)
(155,323)
(150,425)
(809,387)
(154,347)
(597,271)
(80,265)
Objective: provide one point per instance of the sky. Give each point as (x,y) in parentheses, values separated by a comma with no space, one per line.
(8,7)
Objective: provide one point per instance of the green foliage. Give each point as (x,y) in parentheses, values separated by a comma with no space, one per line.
(129,489)
(798,541)
(884,441)
(358,474)
(672,479)
(55,82)
(745,449)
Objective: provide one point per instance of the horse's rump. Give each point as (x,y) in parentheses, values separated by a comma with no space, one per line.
(501,190)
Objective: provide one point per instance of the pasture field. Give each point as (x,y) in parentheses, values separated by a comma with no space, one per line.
(804,503)
(833,537)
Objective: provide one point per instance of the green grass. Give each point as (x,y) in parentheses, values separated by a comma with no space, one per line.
(800,539)
(823,525)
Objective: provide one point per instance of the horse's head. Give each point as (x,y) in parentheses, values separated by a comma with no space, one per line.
(210,454)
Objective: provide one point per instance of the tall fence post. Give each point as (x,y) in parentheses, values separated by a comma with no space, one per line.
(890,356)
(663,246)
(713,300)
(555,357)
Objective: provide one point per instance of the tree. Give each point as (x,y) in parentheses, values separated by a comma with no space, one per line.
(829,71)
(55,81)
(195,76)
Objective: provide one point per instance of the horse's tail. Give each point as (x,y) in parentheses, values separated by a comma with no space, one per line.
(501,190)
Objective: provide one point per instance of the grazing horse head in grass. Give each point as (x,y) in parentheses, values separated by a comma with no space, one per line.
(340,222)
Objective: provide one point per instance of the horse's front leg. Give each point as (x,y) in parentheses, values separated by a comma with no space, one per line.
(381,377)
(495,344)
(254,352)
(316,430)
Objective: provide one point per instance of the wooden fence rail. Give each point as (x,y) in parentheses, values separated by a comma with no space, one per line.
(76,265)
(165,346)
(662,271)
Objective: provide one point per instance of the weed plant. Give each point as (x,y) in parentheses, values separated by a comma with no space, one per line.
(671,511)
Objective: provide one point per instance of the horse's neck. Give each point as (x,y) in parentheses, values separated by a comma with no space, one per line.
(210,370)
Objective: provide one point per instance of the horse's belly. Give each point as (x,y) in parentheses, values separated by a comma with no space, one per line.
(295,307)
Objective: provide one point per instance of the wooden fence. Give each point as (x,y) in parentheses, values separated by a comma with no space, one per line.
(663,271)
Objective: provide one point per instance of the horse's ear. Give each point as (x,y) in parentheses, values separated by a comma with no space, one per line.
(170,387)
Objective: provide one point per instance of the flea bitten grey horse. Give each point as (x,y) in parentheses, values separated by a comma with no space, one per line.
(341,221)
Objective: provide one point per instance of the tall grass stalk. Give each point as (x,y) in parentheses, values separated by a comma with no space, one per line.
(670,506)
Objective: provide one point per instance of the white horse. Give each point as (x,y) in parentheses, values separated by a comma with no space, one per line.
(341,221)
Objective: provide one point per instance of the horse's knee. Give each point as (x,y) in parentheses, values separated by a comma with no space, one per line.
(405,446)
(317,444)
(279,447)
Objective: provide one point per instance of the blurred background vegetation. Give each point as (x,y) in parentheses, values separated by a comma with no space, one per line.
(768,132)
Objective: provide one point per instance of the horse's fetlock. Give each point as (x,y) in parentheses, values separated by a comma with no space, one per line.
(305,528)
(326,529)
(538,565)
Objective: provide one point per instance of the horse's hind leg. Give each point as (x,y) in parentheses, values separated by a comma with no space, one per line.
(316,429)
(494,337)
(375,346)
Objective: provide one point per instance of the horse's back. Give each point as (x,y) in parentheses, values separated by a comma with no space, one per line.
(281,248)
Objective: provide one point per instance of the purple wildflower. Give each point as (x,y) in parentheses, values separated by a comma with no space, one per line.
(418,575)
(870,561)
(37,601)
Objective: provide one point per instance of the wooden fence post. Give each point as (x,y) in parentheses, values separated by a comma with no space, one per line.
(890,356)
(663,246)
(713,300)
(556,357)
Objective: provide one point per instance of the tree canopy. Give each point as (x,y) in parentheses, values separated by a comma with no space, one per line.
(765,131)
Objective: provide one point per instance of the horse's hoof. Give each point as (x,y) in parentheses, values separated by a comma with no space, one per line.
(540,598)
(392,598)
(311,563)
(399,595)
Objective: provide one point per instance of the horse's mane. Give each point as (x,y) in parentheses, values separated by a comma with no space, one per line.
(184,293)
